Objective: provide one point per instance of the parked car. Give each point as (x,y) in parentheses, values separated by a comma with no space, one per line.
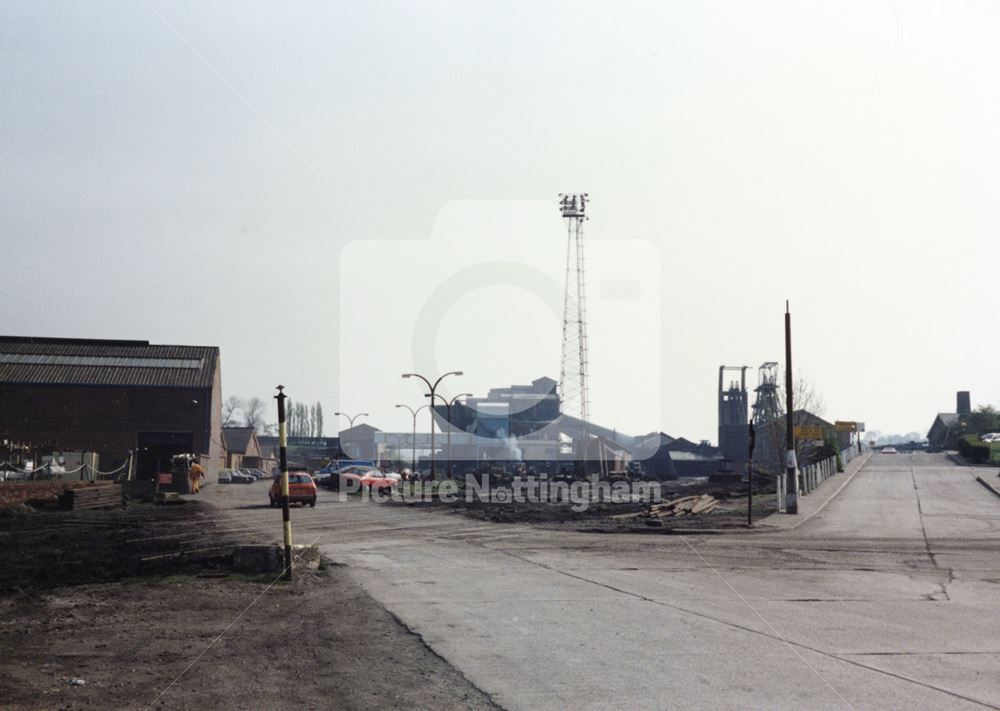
(301,489)
(239,477)
(225,477)
(370,478)
(889,450)
(254,473)
(990,437)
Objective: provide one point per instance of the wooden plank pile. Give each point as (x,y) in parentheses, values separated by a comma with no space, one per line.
(684,506)
(92,497)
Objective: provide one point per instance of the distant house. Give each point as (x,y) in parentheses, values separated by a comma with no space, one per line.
(944,431)
(947,426)
(243,450)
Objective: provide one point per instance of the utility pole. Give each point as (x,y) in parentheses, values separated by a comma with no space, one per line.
(286,520)
(752,440)
(791,495)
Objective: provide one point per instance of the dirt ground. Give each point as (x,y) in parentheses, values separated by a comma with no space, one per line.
(598,517)
(176,639)
(50,549)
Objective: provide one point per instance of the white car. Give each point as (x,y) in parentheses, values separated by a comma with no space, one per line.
(990,437)
(889,450)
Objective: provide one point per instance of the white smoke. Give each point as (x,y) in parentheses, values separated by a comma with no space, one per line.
(513,449)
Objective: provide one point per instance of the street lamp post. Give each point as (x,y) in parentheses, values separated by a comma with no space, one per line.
(432,388)
(413,442)
(448,403)
(351,419)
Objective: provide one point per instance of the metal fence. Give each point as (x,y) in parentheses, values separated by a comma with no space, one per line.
(50,472)
(809,477)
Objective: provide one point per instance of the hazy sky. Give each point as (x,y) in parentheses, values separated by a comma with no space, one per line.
(305,186)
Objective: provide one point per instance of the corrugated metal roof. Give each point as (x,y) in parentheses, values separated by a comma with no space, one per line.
(145,365)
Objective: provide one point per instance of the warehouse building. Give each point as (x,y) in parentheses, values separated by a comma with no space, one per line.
(111,399)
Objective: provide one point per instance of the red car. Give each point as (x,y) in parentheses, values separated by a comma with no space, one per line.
(367,477)
(301,489)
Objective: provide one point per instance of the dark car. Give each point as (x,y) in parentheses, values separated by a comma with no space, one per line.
(238,477)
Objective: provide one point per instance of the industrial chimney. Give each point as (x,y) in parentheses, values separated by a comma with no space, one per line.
(964,404)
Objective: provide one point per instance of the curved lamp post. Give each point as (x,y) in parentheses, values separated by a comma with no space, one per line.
(432,388)
(351,419)
(413,442)
(448,403)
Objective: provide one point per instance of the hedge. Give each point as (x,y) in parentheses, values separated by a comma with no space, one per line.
(971,447)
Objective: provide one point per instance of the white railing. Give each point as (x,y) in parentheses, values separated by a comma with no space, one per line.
(809,477)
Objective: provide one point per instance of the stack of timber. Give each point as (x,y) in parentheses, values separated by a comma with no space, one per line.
(684,506)
(92,497)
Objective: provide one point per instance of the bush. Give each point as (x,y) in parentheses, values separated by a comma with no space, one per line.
(973,448)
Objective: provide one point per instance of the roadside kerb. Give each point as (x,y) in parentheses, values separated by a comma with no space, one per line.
(988,485)
(963,462)
(816,501)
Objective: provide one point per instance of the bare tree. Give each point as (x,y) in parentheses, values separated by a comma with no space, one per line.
(319,419)
(771,434)
(253,413)
(230,411)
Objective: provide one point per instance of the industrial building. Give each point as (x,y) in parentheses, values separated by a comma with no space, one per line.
(309,452)
(121,403)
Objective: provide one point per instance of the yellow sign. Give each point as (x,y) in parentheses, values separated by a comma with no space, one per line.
(846,426)
(808,433)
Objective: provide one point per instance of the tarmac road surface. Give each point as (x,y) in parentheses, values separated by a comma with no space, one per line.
(887,598)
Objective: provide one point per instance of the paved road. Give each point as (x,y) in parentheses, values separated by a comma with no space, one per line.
(887,598)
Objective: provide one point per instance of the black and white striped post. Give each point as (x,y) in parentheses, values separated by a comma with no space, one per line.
(286,520)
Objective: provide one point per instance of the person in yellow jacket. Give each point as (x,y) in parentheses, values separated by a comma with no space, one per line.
(195,475)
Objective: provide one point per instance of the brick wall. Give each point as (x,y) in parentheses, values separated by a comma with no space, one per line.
(107,420)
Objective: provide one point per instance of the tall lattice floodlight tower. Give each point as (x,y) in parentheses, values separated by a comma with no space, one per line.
(573,374)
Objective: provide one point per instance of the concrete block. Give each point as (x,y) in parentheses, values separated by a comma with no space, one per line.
(258,559)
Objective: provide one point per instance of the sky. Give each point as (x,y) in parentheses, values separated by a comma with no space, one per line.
(337,193)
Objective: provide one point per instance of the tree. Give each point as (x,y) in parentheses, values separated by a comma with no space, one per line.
(771,434)
(230,411)
(983,419)
(303,419)
(319,419)
(253,413)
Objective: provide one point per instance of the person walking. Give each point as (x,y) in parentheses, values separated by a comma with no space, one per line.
(195,474)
